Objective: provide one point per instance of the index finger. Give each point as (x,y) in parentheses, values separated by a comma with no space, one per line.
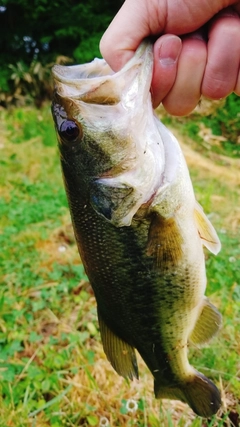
(138,19)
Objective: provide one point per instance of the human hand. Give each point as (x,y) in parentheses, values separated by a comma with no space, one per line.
(204,60)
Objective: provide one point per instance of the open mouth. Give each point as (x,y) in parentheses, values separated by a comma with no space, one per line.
(96,82)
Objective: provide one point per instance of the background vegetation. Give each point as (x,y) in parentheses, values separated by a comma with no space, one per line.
(53,371)
(35,34)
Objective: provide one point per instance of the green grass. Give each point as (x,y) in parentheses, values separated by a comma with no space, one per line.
(52,368)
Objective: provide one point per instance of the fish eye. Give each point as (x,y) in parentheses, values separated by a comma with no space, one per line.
(70,131)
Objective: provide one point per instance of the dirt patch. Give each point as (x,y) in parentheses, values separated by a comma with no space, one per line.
(221,167)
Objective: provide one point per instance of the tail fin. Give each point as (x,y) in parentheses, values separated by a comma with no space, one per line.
(199,392)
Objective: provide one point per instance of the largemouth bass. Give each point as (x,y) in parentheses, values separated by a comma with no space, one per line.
(139,230)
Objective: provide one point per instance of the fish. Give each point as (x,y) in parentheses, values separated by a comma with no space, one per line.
(139,229)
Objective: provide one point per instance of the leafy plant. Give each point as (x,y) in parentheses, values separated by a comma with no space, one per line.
(32,82)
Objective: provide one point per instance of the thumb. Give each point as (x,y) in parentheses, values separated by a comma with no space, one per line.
(129,27)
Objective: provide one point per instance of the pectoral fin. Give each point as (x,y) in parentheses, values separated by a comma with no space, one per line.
(120,354)
(207,325)
(206,231)
(164,241)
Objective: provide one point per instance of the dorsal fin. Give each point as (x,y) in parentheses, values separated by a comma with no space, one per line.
(206,230)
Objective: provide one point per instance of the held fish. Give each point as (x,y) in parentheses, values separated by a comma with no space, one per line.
(139,230)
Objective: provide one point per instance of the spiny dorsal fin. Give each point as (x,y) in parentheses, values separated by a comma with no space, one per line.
(206,231)
(120,354)
(207,325)
(164,241)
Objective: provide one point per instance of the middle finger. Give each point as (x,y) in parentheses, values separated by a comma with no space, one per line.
(186,91)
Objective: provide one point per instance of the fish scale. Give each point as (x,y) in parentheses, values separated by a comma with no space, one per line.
(139,230)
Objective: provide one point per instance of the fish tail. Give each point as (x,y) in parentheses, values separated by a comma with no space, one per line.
(199,392)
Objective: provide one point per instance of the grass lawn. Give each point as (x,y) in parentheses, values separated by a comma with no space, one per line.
(53,371)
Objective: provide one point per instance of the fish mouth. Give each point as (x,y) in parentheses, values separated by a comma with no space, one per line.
(95,82)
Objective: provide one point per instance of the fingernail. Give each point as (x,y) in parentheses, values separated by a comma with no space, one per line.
(169,51)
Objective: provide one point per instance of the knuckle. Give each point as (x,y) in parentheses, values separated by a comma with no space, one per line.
(215,88)
(175,108)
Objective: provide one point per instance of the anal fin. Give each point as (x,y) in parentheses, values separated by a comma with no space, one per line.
(207,325)
(120,354)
